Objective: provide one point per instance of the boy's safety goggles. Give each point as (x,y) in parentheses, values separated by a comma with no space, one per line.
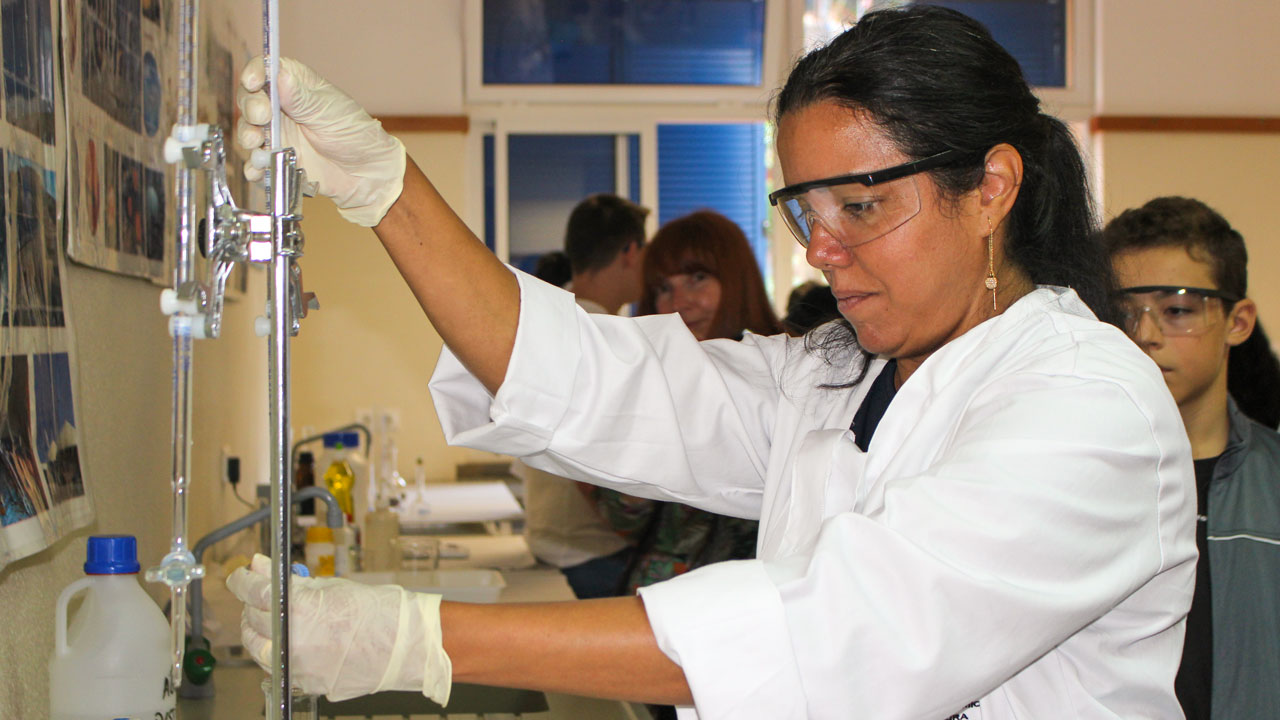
(1175,310)
(857,208)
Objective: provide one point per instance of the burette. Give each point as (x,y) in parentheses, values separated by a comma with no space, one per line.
(182,303)
(232,234)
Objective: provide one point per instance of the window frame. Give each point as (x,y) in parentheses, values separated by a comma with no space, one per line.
(771,72)
(1075,101)
(594,109)
(503,121)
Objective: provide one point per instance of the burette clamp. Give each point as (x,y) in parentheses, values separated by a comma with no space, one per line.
(186,144)
(186,307)
(288,188)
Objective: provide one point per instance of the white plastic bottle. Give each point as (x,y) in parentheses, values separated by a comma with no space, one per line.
(114,660)
(382,527)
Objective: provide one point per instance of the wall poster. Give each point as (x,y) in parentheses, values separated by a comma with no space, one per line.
(42,490)
(121,84)
(89,97)
(120,93)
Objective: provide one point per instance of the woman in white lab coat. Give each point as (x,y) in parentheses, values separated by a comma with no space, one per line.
(975,498)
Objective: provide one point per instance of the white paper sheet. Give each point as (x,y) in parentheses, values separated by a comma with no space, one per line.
(461,502)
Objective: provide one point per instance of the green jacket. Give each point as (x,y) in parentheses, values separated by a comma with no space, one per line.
(1244,565)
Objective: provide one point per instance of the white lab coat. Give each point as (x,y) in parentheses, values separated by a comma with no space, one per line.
(1017,543)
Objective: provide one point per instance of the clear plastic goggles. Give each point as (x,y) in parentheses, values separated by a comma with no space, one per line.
(1175,310)
(858,208)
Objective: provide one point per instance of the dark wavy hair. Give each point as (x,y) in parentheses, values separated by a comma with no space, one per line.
(1253,371)
(933,79)
(706,241)
(1253,378)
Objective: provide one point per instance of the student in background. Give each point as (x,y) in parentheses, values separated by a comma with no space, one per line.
(1182,273)
(810,304)
(553,267)
(699,266)
(604,246)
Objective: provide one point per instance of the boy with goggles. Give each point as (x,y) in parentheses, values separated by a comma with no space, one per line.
(1182,270)
(1174,310)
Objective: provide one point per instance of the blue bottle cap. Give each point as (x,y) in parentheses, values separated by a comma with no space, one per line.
(112,555)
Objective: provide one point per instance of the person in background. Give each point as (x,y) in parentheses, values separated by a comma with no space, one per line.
(553,267)
(604,244)
(699,266)
(974,502)
(810,304)
(1183,278)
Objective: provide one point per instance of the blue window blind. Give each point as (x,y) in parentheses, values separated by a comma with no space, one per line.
(548,176)
(720,167)
(1033,31)
(490,234)
(678,42)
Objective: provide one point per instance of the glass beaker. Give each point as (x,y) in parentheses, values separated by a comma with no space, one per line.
(416,553)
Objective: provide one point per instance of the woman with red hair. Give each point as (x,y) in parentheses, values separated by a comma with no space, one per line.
(701,267)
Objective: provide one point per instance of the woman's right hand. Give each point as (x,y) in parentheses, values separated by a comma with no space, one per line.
(472,301)
(347,639)
(343,150)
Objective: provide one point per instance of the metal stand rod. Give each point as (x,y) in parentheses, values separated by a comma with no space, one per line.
(278,300)
(281,485)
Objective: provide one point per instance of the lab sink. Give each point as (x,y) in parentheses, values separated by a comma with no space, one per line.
(476,585)
(239,696)
(464,700)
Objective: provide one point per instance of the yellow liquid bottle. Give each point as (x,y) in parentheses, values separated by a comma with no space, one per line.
(340,481)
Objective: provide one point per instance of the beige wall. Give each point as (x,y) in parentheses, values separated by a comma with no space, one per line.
(370,346)
(1207,59)
(1187,57)
(1235,174)
(397,57)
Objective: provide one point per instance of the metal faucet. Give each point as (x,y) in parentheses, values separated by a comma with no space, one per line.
(333,518)
(368,444)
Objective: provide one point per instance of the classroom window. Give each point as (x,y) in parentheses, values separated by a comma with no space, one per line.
(548,174)
(1035,32)
(606,42)
(717,166)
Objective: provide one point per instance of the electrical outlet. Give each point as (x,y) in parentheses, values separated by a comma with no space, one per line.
(364,416)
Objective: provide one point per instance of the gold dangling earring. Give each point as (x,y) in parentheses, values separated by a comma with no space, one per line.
(991,281)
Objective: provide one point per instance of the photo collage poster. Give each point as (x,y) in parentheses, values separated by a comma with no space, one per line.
(117,56)
(89,97)
(121,60)
(42,491)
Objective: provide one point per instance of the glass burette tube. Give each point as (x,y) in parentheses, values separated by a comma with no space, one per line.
(179,567)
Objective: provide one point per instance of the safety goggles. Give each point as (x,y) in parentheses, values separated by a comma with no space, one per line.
(858,208)
(1175,310)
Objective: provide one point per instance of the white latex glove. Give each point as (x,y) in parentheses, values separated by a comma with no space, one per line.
(348,639)
(344,151)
